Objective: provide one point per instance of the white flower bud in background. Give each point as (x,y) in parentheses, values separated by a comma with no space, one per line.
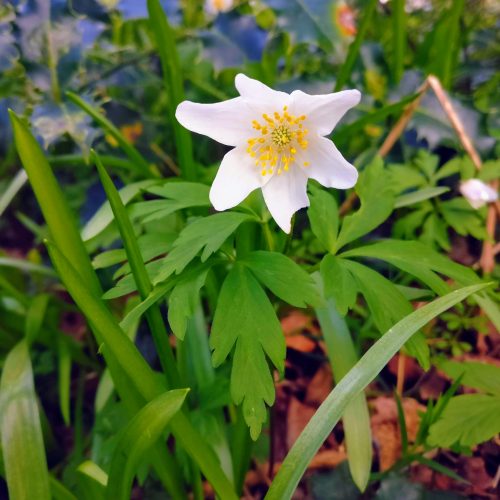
(478,193)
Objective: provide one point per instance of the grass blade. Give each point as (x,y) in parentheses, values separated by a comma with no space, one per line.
(140,163)
(346,69)
(140,375)
(399,38)
(174,84)
(140,434)
(62,225)
(367,368)
(155,321)
(356,418)
(21,432)
(8,195)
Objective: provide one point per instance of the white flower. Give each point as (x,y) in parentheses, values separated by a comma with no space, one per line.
(278,141)
(213,7)
(478,193)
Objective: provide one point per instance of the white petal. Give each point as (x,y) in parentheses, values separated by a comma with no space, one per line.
(228,122)
(259,95)
(285,194)
(323,112)
(327,165)
(478,193)
(236,178)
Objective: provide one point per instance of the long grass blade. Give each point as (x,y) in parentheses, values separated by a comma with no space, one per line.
(399,38)
(174,84)
(22,441)
(140,274)
(356,418)
(352,54)
(367,368)
(14,187)
(140,434)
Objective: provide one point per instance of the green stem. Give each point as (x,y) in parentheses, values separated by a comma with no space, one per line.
(52,64)
(268,235)
(138,268)
(241,447)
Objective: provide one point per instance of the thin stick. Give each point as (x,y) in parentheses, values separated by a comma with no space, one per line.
(400,383)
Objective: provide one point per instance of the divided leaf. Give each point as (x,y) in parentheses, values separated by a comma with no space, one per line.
(283,277)
(178,195)
(246,319)
(183,301)
(468,419)
(207,234)
(482,376)
(377,201)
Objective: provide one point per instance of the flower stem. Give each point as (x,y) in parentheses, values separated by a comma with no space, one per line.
(268,235)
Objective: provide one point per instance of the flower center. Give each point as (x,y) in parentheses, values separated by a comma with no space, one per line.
(280,137)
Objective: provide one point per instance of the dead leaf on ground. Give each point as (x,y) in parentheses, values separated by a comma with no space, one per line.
(320,386)
(298,416)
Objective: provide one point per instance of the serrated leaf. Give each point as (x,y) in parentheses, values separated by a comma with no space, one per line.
(183,301)
(377,201)
(482,376)
(283,277)
(338,283)
(178,195)
(324,217)
(204,235)
(387,306)
(246,319)
(467,420)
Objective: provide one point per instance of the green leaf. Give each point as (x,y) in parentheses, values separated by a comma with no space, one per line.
(136,439)
(417,196)
(104,215)
(64,376)
(54,207)
(22,441)
(245,319)
(387,306)
(35,316)
(339,283)
(283,277)
(184,300)
(463,218)
(324,218)
(356,419)
(417,259)
(178,195)
(467,420)
(377,200)
(490,170)
(482,376)
(365,370)
(206,234)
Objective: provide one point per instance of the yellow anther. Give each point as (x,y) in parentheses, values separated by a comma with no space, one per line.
(306,164)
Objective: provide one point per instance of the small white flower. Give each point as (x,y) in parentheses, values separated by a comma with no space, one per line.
(478,193)
(213,7)
(278,141)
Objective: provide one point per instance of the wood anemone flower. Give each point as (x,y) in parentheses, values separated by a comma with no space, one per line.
(279,142)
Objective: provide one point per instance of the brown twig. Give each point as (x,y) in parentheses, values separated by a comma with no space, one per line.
(487,260)
(400,383)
